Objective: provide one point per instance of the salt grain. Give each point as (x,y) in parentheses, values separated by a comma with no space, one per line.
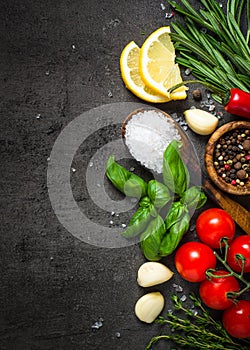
(148,134)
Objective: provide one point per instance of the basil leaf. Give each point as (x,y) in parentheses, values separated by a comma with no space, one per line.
(138,222)
(194,197)
(125,181)
(172,238)
(175,173)
(151,239)
(145,202)
(158,193)
(175,214)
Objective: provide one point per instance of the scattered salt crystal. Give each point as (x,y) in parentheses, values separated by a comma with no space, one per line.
(48,159)
(38,116)
(177,288)
(117,215)
(118,335)
(188,71)
(111,222)
(73,47)
(174,115)
(183,298)
(147,136)
(211,108)
(169,15)
(98,324)
(73,170)
(124,225)
(132,169)
(110,94)
(112,213)
(91,164)
(163,7)
(47,72)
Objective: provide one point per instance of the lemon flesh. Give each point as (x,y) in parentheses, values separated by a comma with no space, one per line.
(130,72)
(157,66)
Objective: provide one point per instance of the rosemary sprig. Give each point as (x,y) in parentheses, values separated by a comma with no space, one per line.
(197,330)
(219,55)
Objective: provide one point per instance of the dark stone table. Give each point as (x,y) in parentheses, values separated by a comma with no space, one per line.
(60,60)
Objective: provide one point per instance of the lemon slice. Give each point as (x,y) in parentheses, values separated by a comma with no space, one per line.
(129,65)
(157,64)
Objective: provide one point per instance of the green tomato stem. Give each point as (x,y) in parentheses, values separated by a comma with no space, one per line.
(239,276)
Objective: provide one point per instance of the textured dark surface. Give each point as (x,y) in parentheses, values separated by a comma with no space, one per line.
(59,59)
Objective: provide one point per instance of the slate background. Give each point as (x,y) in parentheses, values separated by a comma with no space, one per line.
(58,60)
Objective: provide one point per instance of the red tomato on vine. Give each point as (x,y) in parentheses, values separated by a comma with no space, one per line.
(213,291)
(193,259)
(236,319)
(240,245)
(212,225)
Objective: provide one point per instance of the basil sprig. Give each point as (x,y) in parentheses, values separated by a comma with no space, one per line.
(160,234)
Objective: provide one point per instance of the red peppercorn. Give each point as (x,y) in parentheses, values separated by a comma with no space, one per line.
(227,166)
(233,182)
(247,157)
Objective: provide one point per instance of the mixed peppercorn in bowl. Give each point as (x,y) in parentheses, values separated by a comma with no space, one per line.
(227,157)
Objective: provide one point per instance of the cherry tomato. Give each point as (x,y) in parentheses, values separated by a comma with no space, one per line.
(236,319)
(213,292)
(214,224)
(240,245)
(192,260)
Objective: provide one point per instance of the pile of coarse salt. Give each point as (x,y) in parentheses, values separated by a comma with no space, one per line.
(148,134)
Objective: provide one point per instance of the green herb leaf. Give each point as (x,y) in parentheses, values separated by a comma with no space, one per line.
(151,239)
(158,193)
(125,181)
(175,173)
(139,221)
(176,232)
(194,197)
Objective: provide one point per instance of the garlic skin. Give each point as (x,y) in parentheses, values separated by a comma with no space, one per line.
(201,122)
(149,306)
(152,273)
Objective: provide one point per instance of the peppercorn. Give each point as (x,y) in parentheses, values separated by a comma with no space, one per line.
(246,145)
(197,96)
(241,174)
(237,165)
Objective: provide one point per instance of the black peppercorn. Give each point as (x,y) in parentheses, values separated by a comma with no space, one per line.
(197,96)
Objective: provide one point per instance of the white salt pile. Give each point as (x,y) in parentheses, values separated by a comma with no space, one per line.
(148,134)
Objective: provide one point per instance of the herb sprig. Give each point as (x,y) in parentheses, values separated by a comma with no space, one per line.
(163,216)
(212,44)
(197,329)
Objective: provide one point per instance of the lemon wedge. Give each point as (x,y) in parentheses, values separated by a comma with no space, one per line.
(157,66)
(130,72)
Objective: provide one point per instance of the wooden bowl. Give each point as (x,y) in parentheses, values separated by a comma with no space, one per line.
(209,159)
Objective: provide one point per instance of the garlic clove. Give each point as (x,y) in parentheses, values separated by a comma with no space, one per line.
(149,306)
(152,273)
(201,122)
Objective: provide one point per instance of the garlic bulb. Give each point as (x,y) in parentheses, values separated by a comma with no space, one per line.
(149,306)
(201,122)
(152,273)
